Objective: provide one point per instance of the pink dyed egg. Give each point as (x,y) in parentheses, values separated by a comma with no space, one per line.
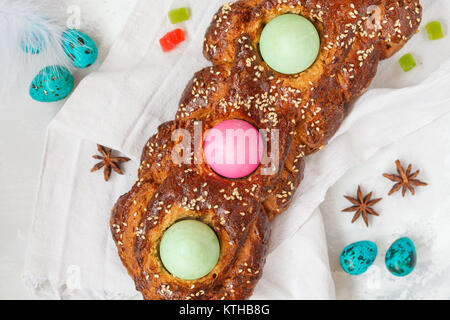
(233,148)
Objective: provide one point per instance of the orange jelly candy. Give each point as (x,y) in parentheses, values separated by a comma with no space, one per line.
(172,39)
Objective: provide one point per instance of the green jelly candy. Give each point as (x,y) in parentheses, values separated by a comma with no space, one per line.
(407,62)
(434,30)
(289,44)
(178,15)
(189,249)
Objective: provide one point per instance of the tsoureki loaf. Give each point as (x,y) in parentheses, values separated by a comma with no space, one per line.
(306,108)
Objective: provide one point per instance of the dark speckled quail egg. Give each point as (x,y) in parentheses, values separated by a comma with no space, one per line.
(80,48)
(357,257)
(401,257)
(52,83)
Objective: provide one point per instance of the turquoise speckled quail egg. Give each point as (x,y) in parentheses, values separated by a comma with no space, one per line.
(80,48)
(401,257)
(53,83)
(357,257)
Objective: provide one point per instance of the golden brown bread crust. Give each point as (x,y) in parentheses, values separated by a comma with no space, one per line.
(307,109)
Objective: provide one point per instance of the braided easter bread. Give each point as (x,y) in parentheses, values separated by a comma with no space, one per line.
(306,109)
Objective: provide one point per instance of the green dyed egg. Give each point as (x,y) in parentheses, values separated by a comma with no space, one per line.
(401,258)
(189,249)
(53,83)
(80,48)
(289,44)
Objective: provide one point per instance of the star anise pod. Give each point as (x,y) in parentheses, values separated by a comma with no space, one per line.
(108,161)
(362,206)
(404,180)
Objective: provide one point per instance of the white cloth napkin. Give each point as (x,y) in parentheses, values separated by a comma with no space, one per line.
(71,253)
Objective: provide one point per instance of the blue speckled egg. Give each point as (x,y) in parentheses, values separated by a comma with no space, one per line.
(52,83)
(80,48)
(357,257)
(401,257)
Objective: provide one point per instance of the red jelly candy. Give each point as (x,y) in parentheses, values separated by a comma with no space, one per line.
(172,39)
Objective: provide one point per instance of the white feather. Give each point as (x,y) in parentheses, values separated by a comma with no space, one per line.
(29,25)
